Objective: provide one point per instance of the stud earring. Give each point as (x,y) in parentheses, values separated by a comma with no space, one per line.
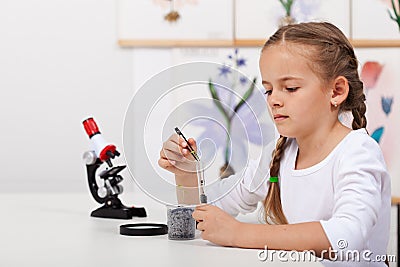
(335,104)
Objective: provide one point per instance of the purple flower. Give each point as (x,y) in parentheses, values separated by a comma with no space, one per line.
(224,70)
(240,62)
(243,80)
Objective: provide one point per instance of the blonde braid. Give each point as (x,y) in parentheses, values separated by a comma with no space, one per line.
(273,212)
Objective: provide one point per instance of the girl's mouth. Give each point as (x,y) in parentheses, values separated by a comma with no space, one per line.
(280,117)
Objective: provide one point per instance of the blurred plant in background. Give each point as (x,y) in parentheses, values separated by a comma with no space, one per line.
(287,19)
(173,15)
(238,117)
(394,10)
(395,16)
(230,108)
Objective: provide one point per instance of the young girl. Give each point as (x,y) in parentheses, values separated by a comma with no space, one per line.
(328,188)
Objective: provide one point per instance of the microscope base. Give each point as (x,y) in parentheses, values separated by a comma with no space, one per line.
(119,213)
(114,209)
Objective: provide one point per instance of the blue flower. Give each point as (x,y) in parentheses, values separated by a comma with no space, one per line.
(387,104)
(377,134)
(224,70)
(240,62)
(243,80)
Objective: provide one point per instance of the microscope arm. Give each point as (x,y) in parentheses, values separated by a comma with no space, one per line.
(91,174)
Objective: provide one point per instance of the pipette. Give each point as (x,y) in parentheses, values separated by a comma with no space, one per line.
(199,169)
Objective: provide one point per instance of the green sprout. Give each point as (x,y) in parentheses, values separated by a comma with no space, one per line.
(288,6)
(396,15)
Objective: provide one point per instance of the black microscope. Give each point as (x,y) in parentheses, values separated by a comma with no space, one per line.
(107,193)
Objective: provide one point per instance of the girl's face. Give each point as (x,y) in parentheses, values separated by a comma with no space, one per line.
(297,99)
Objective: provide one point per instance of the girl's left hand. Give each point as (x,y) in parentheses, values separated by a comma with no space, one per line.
(216,225)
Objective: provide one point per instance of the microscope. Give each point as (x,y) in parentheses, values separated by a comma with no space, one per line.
(106,193)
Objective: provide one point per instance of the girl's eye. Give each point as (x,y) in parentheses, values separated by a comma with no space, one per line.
(268,92)
(292,89)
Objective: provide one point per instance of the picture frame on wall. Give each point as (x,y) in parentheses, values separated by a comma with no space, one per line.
(268,16)
(175,22)
(373,26)
(240,23)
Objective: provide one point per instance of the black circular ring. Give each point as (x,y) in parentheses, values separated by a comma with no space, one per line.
(139,229)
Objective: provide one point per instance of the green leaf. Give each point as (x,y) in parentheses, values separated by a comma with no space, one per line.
(391,16)
(395,14)
(217,101)
(246,95)
(394,8)
(287,5)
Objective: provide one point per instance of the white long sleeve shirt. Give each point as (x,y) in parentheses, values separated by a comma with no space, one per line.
(348,193)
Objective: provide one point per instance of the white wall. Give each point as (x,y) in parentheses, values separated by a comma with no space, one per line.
(59,63)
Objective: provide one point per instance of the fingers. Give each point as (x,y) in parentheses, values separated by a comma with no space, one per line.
(198,215)
(174,138)
(171,155)
(200,212)
(192,143)
(185,145)
(165,163)
(184,148)
(171,149)
(201,226)
(172,143)
(203,207)
(178,145)
(175,155)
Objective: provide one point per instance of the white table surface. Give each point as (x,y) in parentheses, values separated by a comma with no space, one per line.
(57,230)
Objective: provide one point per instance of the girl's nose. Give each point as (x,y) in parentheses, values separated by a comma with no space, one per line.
(274,100)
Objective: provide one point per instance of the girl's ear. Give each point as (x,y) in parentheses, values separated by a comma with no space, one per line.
(340,91)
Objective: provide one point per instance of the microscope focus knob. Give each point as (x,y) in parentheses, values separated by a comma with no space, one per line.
(102,192)
(89,157)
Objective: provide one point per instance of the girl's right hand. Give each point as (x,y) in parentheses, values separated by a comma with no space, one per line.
(176,157)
